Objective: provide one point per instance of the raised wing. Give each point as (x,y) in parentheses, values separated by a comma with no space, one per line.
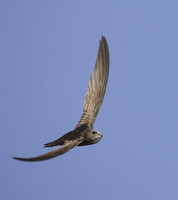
(56,152)
(96,86)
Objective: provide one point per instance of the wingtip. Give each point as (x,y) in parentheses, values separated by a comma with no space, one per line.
(15,158)
(103,41)
(103,37)
(26,159)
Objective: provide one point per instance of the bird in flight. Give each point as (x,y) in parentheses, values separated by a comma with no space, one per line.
(83,134)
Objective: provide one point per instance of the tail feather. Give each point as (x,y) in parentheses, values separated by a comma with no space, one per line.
(60,141)
(54,143)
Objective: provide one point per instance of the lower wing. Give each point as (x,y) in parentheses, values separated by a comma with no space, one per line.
(56,152)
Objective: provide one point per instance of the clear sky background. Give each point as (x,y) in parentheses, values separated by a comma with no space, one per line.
(47,50)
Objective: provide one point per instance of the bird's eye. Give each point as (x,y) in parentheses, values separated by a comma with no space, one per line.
(94,132)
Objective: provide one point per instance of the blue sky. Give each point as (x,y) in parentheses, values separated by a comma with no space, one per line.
(48,49)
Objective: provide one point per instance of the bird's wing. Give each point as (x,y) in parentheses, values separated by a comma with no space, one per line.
(56,152)
(96,86)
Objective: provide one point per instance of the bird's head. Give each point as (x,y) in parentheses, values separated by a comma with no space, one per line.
(95,136)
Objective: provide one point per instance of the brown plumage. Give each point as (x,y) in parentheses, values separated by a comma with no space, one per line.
(84,134)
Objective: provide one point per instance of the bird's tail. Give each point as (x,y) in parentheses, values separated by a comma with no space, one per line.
(54,143)
(60,141)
